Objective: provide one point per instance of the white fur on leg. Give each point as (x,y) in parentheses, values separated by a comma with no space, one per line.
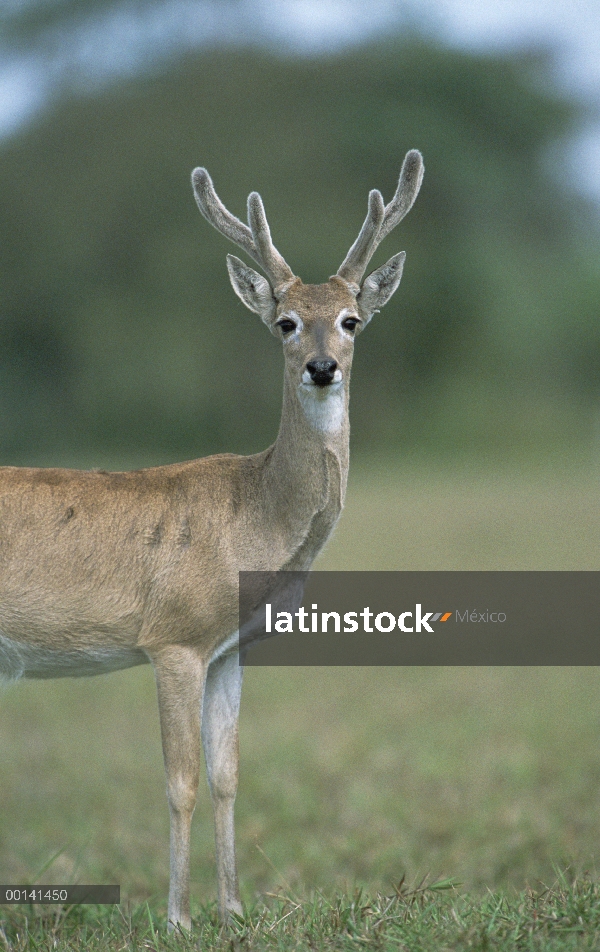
(220,713)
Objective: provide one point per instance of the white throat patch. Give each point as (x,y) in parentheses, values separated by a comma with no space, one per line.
(324,407)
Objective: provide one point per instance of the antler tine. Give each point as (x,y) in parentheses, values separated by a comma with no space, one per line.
(409,184)
(353,266)
(381,219)
(275,266)
(215,212)
(254,240)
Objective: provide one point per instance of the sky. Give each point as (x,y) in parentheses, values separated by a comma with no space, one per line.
(120,42)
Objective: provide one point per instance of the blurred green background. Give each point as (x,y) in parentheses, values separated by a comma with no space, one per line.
(122,341)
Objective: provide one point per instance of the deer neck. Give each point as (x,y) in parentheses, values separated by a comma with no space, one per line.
(307,470)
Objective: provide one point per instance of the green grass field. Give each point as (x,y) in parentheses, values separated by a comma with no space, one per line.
(351,779)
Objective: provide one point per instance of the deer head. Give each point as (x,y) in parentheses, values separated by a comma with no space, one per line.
(316,323)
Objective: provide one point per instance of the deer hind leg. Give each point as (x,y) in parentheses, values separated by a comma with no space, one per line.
(221,749)
(180,677)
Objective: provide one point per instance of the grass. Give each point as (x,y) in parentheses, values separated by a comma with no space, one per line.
(354,782)
(564,916)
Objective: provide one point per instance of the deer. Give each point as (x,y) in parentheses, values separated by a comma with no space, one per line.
(101,571)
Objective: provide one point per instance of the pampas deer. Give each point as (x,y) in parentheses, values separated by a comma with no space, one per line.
(101,571)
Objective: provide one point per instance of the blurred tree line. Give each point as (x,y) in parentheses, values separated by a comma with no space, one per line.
(120,336)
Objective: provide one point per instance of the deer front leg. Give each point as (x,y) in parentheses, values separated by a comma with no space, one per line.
(221,749)
(180,676)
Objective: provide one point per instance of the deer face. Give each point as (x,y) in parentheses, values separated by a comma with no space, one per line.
(317,324)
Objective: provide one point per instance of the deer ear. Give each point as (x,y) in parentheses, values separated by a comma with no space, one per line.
(378,287)
(251,288)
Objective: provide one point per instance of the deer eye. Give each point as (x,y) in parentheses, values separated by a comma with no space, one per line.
(286,325)
(350,324)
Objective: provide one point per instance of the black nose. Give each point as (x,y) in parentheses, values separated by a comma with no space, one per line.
(321,371)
